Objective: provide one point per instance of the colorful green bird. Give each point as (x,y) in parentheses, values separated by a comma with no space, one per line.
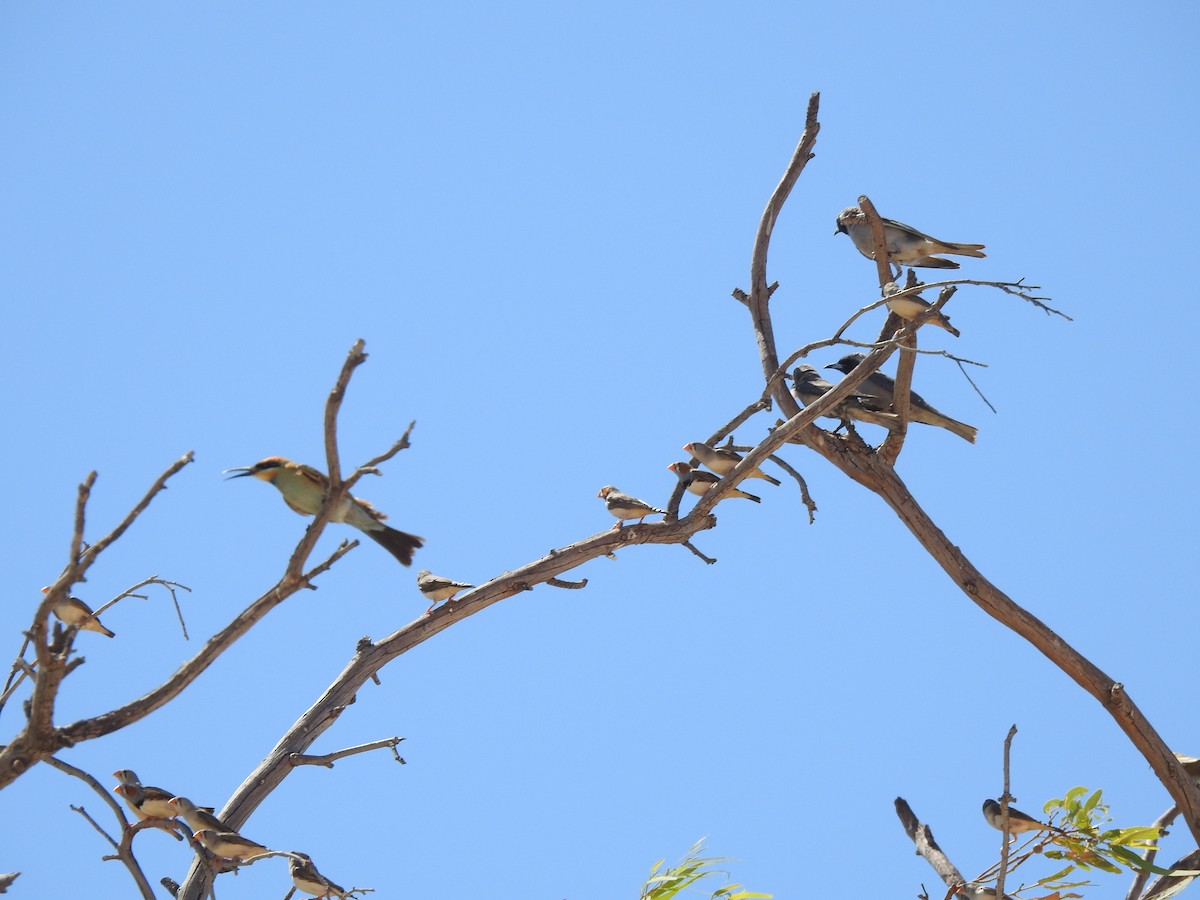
(304,489)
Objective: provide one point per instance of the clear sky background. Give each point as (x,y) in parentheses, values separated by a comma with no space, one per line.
(534,214)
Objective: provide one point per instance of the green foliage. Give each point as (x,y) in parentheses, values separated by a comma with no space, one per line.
(1082,842)
(669,883)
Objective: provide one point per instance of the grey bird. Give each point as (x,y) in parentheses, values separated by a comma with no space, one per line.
(306,877)
(808,386)
(905,244)
(910,306)
(228,844)
(722,460)
(699,482)
(882,388)
(625,506)
(1018,822)
(436,588)
(75,612)
(198,818)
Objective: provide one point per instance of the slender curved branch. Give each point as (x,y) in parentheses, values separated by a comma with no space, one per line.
(371,656)
(123,848)
(760,292)
(328,759)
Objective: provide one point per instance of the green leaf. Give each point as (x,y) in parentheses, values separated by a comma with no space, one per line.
(1129,836)
(1074,794)
(1132,860)
(1057,875)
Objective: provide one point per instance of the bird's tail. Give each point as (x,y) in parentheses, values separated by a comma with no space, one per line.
(888,420)
(400,544)
(93,624)
(932,262)
(759,473)
(966,250)
(962,429)
(737,492)
(941,321)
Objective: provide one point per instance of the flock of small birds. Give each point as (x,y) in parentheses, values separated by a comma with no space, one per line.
(871,403)
(225,844)
(303,489)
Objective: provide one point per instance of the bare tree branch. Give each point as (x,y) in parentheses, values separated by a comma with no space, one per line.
(124,847)
(760,293)
(1005,798)
(370,656)
(922,837)
(1143,875)
(328,759)
(872,472)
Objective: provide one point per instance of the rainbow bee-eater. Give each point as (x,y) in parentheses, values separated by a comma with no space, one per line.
(304,488)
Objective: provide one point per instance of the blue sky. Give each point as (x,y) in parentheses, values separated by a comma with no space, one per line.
(534,214)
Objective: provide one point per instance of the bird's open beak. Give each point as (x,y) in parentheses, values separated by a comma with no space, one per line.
(239,472)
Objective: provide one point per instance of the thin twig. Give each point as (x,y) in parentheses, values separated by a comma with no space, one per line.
(696,550)
(1005,799)
(805,496)
(567,585)
(171,587)
(328,759)
(760,293)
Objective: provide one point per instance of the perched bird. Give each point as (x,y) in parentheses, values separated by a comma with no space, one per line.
(306,877)
(881,387)
(198,818)
(303,489)
(228,844)
(623,506)
(905,245)
(911,306)
(699,482)
(75,612)
(1018,822)
(722,460)
(436,588)
(808,386)
(146,802)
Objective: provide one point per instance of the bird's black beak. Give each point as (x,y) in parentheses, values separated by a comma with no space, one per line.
(841,229)
(240,472)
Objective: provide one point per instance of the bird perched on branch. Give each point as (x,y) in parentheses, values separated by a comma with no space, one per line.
(436,588)
(905,244)
(910,306)
(147,802)
(228,844)
(304,489)
(624,506)
(722,460)
(1018,822)
(306,877)
(75,612)
(198,818)
(882,388)
(699,482)
(808,386)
